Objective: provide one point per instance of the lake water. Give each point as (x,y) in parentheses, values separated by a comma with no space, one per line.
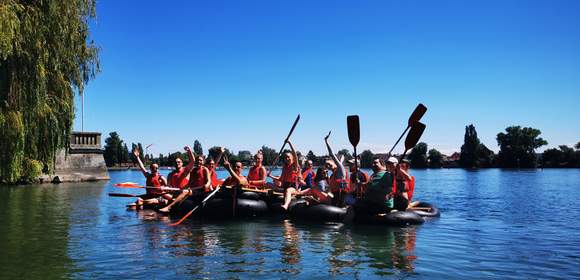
(495,224)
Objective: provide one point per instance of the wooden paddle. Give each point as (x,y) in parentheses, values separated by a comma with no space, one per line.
(415,117)
(122,195)
(413,137)
(196,207)
(284,144)
(143,187)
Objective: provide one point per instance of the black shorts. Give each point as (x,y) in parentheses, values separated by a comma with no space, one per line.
(400,203)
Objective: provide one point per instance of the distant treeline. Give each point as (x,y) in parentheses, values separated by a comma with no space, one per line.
(517,150)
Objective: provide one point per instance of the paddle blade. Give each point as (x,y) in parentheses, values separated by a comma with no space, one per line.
(417,114)
(414,135)
(125,184)
(122,195)
(353,125)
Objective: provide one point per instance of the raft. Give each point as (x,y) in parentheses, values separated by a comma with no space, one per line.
(399,218)
(425,209)
(248,205)
(300,210)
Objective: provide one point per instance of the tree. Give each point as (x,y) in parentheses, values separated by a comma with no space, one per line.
(418,156)
(346,154)
(435,158)
(366,159)
(197,149)
(113,149)
(562,157)
(470,148)
(245,156)
(485,157)
(518,145)
(45,57)
(311,156)
(269,155)
(125,154)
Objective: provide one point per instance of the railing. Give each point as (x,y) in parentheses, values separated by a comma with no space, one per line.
(85,140)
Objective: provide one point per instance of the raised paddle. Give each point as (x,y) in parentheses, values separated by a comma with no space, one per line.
(415,117)
(413,137)
(353,125)
(284,144)
(195,208)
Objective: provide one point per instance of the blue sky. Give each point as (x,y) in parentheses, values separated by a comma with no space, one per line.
(236,73)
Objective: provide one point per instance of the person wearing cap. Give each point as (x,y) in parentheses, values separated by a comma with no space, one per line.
(377,191)
(358,179)
(409,181)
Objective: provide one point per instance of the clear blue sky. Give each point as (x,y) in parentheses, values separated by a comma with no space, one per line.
(236,73)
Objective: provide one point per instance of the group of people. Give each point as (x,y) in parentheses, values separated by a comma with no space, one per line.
(389,188)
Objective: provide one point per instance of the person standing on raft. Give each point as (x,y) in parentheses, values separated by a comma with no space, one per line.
(154,195)
(199,180)
(290,175)
(257,174)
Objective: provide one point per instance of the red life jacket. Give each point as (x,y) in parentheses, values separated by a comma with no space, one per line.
(197,177)
(336,182)
(411,188)
(255,174)
(406,186)
(310,172)
(153,181)
(178,179)
(289,174)
(213,177)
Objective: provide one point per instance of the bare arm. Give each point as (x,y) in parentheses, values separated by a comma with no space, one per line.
(207,184)
(340,167)
(238,180)
(141,166)
(163,181)
(189,166)
(404,173)
(219,156)
(295,155)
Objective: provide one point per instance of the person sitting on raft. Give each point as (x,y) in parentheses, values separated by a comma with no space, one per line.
(308,176)
(290,175)
(236,178)
(257,174)
(377,191)
(358,179)
(211,164)
(156,195)
(400,190)
(405,165)
(199,181)
(337,180)
(179,178)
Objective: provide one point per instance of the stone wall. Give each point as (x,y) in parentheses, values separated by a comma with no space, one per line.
(83,162)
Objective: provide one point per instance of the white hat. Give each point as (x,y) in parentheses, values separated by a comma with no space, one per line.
(392,160)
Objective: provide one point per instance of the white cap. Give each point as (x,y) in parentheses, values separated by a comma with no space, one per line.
(392,160)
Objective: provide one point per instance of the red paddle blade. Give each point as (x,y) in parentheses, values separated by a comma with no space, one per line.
(125,184)
(414,135)
(353,125)
(417,114)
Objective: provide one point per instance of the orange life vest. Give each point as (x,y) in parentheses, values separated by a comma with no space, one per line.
(255,174)
(153,181)
(197,177)
(289,174)
(178,179)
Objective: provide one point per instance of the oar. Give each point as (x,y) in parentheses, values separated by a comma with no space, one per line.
(352,122)
(122,195)
(195,208)
(415,117)
(284,144)
(143,187)
(125,184)
(413,137)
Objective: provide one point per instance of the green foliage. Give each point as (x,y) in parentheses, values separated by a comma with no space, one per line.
(44,59)
(114,149)
(269,155)
(562,157)
(346,154)
(366,159)
(517,147)
(418,156)
(31,170)
(470,148)
(485,157)
(435,158)
(197,149)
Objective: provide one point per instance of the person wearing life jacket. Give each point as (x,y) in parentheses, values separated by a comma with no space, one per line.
(290,176)
(199,181)
(338,181)
(409,181)
(257,174)
(400,189)
(308,176)
(358,179)
(236,178)
(377,191)
(179,178)
(155,194)
(211,165)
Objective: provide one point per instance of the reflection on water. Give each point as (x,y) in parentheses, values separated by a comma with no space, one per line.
(495,224)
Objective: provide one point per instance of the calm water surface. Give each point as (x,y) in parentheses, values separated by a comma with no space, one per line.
(495,224)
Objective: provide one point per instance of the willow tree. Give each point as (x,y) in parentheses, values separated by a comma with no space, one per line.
(45,58)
